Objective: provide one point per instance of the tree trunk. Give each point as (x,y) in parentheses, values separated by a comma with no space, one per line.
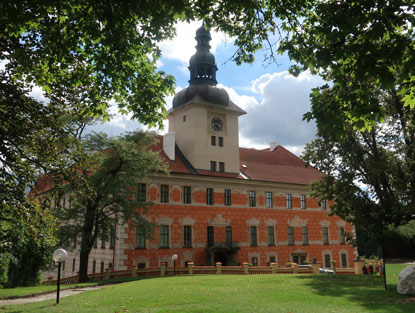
(86,242)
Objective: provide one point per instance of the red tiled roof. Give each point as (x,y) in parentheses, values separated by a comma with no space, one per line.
(176,166)
(279,165)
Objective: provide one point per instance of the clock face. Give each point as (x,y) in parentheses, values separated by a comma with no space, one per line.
(216,124)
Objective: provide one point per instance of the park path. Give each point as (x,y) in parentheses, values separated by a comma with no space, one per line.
(48,296)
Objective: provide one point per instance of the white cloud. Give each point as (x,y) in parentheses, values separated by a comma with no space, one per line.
(38,94)
(182,47)
(278,116)
(243,101)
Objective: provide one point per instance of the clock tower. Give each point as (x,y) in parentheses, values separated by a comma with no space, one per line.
(203,118)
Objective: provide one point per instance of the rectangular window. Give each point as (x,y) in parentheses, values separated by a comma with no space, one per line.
(303,203)
(187,194)
(272,259)
(342,240)
(164,236)
(254,236)
(209,196)
(102,267)
(164,193)
(220,141)
(228,197)
(213,166)
(141,193)
(254,261)
(103,238)
(327,260)
(305,236)
(323,205)
(141,236)
(222,167)
(271,235)
(325,236)
(94,266)
(289,201)
(141,265)
(210,236)
(187,234)
(213,140)
(73,265)
(112,238)
(269,199)
(252,200)
(344,260)
(228,232)
(290,236)
(110,265)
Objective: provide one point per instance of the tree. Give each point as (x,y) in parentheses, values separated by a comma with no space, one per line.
(371,173)
(104,189)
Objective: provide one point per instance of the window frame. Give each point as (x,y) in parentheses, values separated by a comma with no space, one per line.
(228,197)
(252,199)
(228,236)
(269,199)
(164,193)
(343,264)
(187,194)
(187,236)
(213,141)
(325,231)
(141,237)
(220,141)
(271,235)
(323,205)
(164,236)
(141,192)
(303,202)
(210,240)
(290,236)
(221,167)
(213,166)
(209,196)
(253,231)
(342,239)
(289,201)
(304,232)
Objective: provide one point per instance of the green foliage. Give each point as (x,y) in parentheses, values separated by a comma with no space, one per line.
(102,189)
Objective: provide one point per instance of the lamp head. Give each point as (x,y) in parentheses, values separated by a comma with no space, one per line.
(59,255)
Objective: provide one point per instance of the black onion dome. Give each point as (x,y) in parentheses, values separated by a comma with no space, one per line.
(202,84)
(210,94)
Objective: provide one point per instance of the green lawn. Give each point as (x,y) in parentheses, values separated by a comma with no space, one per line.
(238,293)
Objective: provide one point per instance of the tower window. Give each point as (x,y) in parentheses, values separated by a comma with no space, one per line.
(213,140)
(222,167)
(184,118)
(213,166)
(220,141)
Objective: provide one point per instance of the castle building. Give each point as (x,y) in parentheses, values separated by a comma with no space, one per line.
(223,203)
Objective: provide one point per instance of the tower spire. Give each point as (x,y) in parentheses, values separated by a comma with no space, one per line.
(202,64)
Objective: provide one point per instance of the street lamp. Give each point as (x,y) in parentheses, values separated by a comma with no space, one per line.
(174,258)
(59,256)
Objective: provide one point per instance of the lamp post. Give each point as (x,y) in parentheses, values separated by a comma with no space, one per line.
(59,256)
(174,258)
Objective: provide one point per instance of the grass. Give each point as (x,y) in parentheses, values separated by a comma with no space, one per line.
(238,293)
(19,292)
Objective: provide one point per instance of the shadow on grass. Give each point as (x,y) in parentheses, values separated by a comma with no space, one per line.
(365,290)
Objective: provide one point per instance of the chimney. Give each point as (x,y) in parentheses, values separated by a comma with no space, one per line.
(272,146)
(169,143)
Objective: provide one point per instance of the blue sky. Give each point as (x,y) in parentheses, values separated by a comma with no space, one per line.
(274,100)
